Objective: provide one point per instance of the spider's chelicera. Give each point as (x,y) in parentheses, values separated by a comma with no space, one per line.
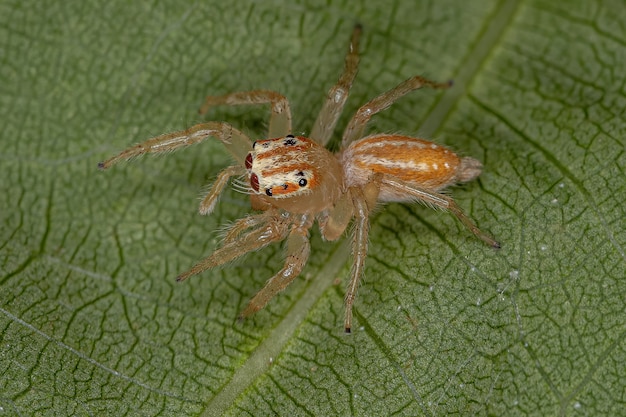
(294,180)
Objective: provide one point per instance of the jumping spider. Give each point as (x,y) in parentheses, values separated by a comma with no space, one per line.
(295,180)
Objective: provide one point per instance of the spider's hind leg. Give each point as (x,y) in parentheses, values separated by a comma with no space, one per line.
(438,200)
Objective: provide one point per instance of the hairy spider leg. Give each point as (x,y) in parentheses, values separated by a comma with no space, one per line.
(235,142)
(280,118)
(364,201)
(248,222)
(298,249)
(275,229)
(357,124)
(334,221)
(439,200)
(338,94)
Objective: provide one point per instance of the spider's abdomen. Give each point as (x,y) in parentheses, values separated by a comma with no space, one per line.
(294,173)
(413,160)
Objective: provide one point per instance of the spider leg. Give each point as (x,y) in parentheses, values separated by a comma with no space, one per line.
(245,223)
(275,229)
(280,119)
(236,142)
(360,198)
(357,124)
(333,222)
(338,94)
(439,200)
(298,250)
(210,199)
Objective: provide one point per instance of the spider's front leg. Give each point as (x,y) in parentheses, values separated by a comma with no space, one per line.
(298,249)
(275,229)
(236,142)
(280,119)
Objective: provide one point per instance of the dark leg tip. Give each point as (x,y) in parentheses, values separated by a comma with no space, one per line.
(100,165)
(348,330)
(496,245)
(450,83)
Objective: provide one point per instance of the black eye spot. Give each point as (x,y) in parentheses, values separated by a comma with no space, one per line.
(285,186)
(290,142)
(290,136)
(268,191)
(302,182)
(300,174)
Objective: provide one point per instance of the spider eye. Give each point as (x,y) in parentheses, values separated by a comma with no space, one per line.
(249,161)
(290,136)
(290,141)
(302,182)
(268,191)
(253,144)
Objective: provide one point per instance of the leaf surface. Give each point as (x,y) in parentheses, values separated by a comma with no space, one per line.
(93,323)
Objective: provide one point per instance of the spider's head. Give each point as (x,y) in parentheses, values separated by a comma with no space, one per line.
(294,173)
(280,168)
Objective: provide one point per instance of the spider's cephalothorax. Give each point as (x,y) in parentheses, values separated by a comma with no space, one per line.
(294,181)
(294,173)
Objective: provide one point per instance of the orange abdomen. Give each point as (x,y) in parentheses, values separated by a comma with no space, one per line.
(409,159)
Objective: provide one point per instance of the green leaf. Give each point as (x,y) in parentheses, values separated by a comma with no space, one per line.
(92,322)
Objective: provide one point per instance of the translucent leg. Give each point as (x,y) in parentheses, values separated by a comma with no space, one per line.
(439,200)
(236,142)
(357,124)
(245,223)
(275,230)
(298,250)
(333,222)
(338,94)
(359,252)
(280,119)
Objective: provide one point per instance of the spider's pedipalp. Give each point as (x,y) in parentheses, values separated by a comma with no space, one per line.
(210,199)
